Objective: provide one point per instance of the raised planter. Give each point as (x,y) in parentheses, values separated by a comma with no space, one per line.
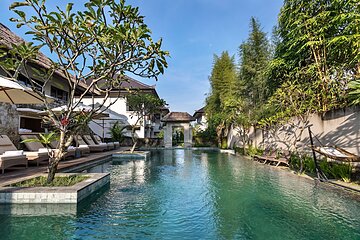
(72,194)
(131,156)
(39,209)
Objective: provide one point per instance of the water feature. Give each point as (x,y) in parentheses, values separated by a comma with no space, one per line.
(184,194)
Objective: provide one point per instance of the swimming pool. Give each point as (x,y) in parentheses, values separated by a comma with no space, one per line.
(185,194)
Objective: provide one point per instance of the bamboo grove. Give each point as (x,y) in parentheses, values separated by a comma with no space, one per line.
(311,65)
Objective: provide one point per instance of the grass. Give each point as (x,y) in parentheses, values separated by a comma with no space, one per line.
(58,181)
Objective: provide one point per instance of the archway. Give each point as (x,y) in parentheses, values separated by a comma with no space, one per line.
(175,120)
(177,136)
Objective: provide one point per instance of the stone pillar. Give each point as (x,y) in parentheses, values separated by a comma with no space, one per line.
(187,139)
(168,135)
(190,135)
(148,133)
(9,122)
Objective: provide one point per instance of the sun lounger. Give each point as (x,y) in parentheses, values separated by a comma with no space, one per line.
(40,148)
(81,146)
(282,158)
(337,153)
(273,158)
(32,156)
(70,151)
(93,147)
(267,155)
(98,140)
(38,153)
(10,156)
(88,139)
(110,145)
(84,150)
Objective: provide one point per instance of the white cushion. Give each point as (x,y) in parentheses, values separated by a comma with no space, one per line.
(43,150)
(13,153)
(333,152)
(24,130)
(83,146)
(102,143)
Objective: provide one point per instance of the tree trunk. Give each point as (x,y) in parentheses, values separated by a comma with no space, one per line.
(55,158)
(53,164)
(134,146)
(301,165)
(133,138)
(244,142)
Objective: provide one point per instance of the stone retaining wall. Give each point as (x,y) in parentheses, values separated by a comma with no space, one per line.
(9,122)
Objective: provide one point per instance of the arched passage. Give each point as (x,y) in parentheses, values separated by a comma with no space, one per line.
(177,120)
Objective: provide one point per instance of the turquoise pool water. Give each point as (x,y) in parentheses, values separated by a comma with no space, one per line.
(184,194)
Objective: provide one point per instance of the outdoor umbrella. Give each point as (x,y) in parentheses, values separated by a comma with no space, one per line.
(15,93)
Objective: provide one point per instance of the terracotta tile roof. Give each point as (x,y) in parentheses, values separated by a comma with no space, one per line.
(199,112)
(178,117)
(164,110)
(131,83)
(7,38)
(128,84)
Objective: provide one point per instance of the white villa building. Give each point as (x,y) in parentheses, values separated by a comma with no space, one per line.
(119,111)
(200,119)
(15,119)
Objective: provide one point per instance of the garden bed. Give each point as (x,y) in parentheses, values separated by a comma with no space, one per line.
(71,194)
(59,181)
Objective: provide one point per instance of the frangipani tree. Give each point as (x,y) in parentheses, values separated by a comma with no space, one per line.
(92,48)
(142,105)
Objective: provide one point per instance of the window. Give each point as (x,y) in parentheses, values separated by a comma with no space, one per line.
(157,116)
(38,84)
(59,94)
(31,123)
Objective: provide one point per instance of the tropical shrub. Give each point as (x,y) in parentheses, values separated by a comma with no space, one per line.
(341,171)
(116,132)
(250,151)
(161,134)
(309,164)
(205,138)
(330,169)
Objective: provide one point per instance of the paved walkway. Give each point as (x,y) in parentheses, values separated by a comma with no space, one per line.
(350,186)
(16,173)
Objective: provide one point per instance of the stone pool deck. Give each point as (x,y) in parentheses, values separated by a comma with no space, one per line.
(17,174)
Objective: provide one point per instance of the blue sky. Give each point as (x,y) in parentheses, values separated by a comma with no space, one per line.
(193,31)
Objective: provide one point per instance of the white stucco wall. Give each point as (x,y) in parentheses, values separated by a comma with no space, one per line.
(118,106)
(339,127)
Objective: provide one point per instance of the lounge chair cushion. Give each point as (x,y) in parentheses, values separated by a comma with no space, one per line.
(42,150)
(13,153)
(2,157)
(332,151)
(32,146)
